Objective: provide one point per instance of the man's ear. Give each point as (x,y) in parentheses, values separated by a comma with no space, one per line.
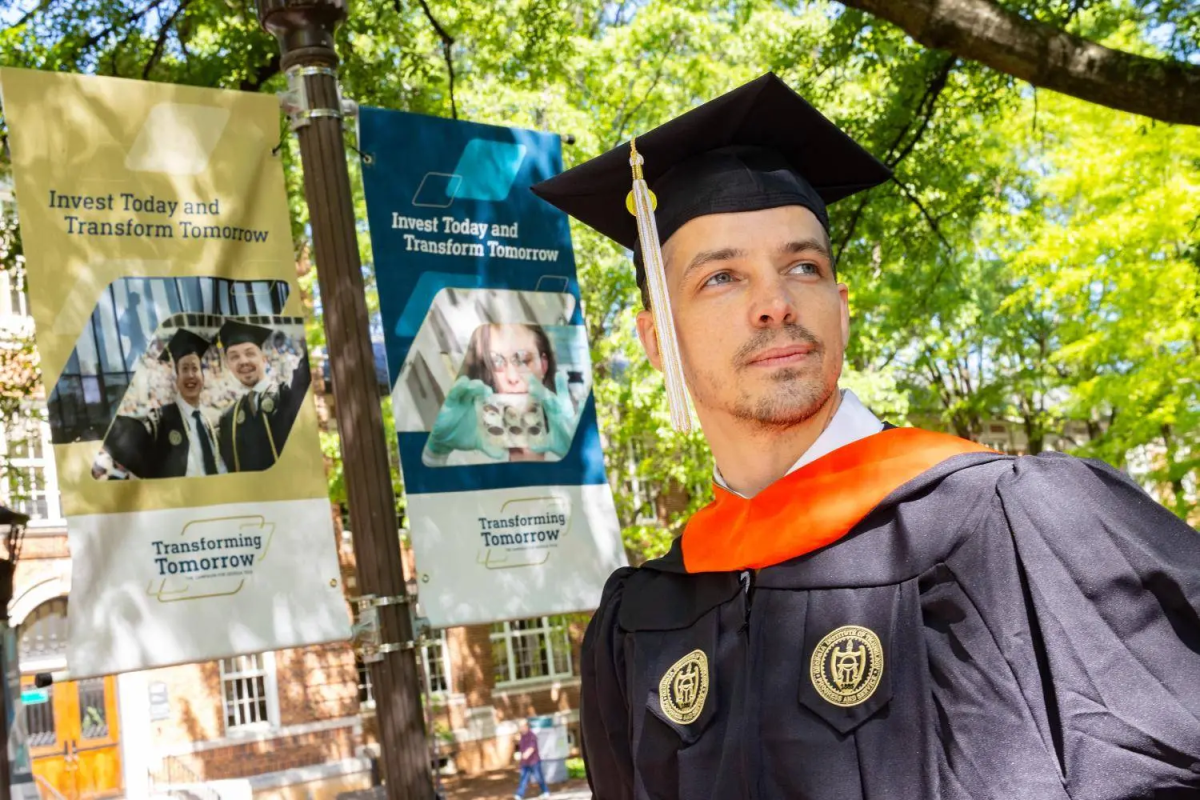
(649,337)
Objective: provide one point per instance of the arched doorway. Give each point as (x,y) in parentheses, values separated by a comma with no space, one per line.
(71,727)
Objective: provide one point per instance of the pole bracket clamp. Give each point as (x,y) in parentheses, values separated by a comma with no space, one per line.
(372,601)
(367,633)
(297,104)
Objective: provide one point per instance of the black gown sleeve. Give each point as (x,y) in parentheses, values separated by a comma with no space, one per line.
(1114,585)
(604,706)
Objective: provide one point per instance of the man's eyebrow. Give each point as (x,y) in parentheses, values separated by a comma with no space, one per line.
(803,245)
(709,256)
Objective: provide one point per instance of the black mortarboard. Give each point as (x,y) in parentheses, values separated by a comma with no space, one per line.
(235,332)
(760,146)
(184,343)
(128,442)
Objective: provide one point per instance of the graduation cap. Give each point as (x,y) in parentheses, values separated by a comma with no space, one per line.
(760,146)
(184,343)
(128,442)
(235,332)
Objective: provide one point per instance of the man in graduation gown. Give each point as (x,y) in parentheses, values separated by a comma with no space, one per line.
(254,430)
(863,611)
(183,441)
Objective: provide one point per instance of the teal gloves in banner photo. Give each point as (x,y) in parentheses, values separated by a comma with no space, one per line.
(560,415)
(456,426)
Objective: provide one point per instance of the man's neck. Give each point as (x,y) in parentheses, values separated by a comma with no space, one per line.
(751,456)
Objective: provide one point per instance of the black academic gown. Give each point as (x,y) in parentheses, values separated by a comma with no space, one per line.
(1039,622)
(252,434)
(170,438)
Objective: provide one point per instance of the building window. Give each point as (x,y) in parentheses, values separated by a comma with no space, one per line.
(249,692)
(29,485)
(435,665)
(366,690)
(531,649)
(39,721)
(42,637)
(12,294)
(93,712)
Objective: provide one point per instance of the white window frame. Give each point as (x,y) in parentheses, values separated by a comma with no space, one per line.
(426,658)
(549,626)
(44,461)
(8,313)
(270,689)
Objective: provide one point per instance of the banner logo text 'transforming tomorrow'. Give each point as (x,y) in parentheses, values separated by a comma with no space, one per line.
(518,530)
(178,558)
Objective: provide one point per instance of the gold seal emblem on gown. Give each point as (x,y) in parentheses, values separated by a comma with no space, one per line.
(268,404)
(175,437)
(684,688)
(847,665)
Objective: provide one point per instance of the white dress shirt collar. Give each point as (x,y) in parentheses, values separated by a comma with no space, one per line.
(185,408)
(851,422)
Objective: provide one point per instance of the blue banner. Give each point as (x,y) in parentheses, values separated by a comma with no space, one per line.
(490,371)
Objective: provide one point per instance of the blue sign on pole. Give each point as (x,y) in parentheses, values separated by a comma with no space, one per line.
(490,371)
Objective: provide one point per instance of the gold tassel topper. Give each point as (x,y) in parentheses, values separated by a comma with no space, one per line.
(641,202)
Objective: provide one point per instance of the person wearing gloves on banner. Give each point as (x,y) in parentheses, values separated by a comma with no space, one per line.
(183,439)
(254,430)
(510,400)
(863,610)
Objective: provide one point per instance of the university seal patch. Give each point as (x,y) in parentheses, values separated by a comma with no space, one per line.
(847,665)
(684,687)
(175,437)
(268,405)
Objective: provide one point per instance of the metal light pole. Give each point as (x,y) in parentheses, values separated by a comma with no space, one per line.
(304,29)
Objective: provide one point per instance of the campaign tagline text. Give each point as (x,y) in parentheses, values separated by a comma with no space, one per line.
(481,241)
(147,216)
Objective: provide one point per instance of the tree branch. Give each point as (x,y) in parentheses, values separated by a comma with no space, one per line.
(133,17)
(161,41)
(925,108)
(981,30)
(447,51)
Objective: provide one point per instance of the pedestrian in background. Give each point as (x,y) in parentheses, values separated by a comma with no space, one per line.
(531,761)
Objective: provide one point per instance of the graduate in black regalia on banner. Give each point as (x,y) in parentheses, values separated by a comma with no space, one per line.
(863,611)
(254,430)
(184,442)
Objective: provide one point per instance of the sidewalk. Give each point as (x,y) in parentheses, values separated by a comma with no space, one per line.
(501,784)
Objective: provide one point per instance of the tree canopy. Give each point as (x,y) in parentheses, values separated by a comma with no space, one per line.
(1033,265)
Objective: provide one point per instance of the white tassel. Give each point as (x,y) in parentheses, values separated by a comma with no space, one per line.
(641,203)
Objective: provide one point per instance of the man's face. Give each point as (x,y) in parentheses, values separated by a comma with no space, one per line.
(189,378)
(246,362)
(761,320)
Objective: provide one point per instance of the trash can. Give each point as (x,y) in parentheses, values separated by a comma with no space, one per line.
(552,747)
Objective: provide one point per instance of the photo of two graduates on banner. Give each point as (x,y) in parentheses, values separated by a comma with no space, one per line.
(213,395)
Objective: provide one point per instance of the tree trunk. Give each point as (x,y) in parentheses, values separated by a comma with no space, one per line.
(981,30)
